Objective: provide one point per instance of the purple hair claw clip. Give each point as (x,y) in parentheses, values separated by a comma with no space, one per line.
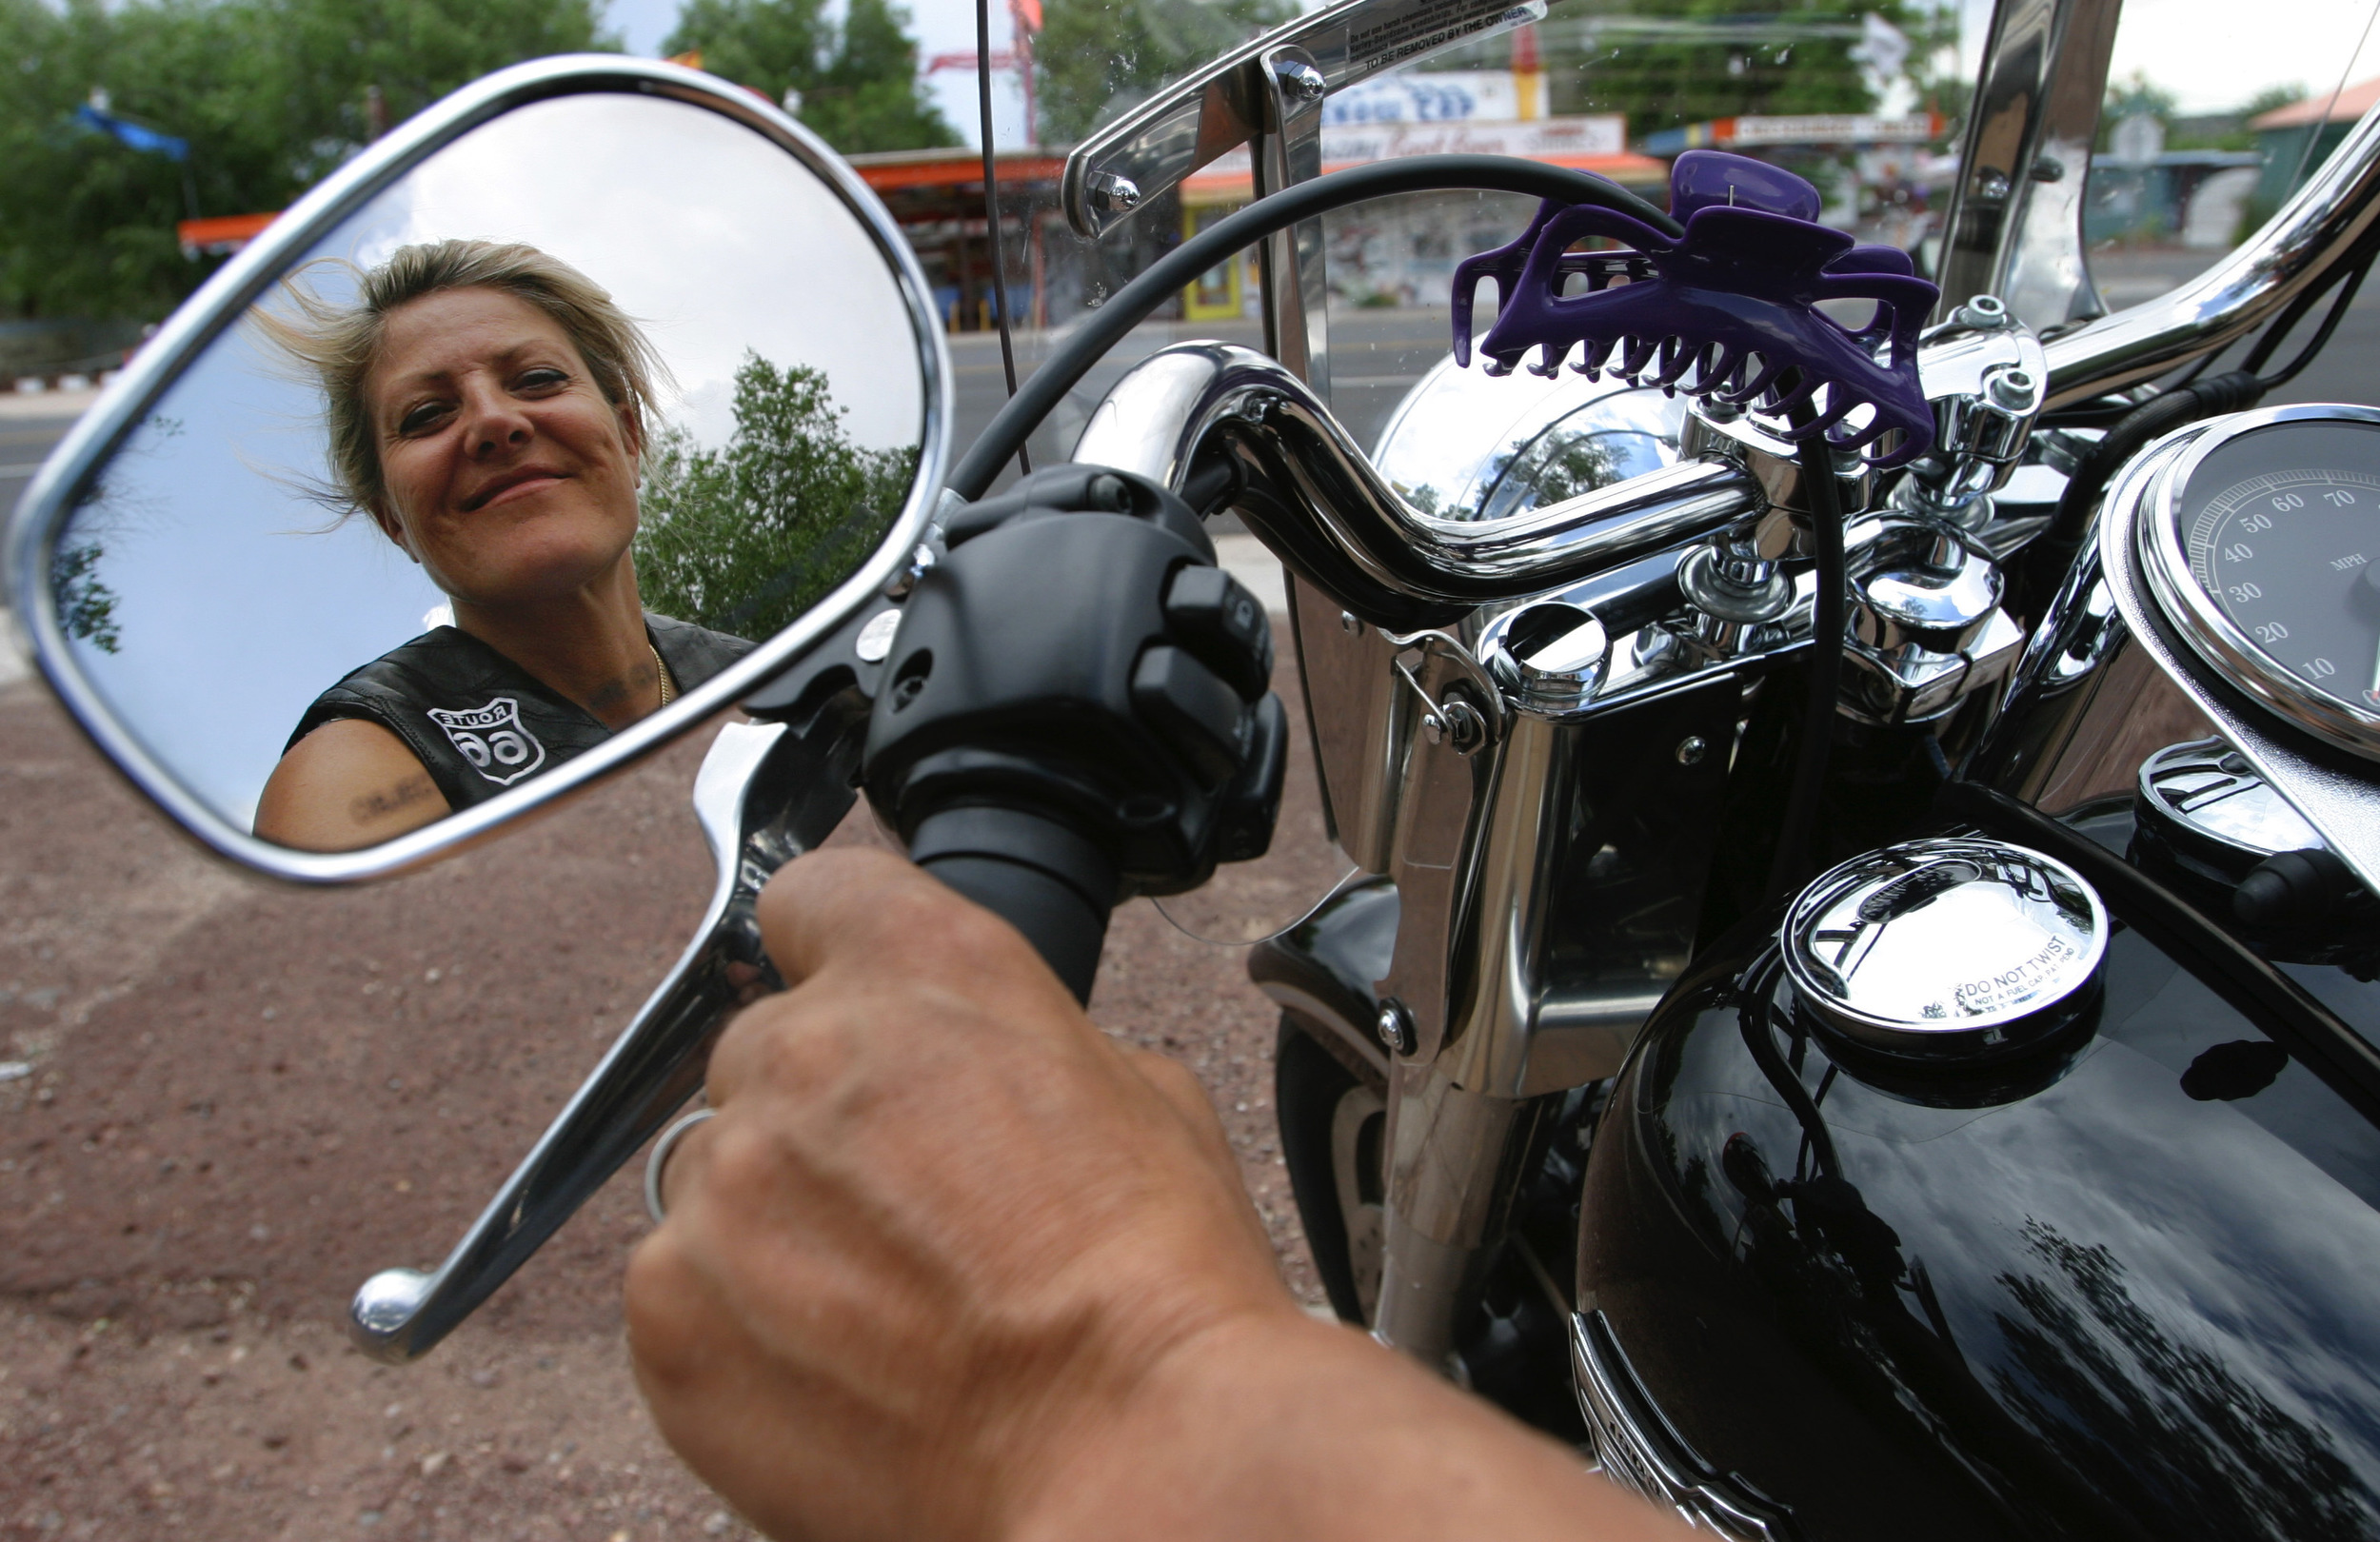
(1730,313)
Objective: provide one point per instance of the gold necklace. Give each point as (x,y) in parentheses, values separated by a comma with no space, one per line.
(668,692)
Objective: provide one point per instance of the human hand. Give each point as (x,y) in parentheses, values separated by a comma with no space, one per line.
(943,1232)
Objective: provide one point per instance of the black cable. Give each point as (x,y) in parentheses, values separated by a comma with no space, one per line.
(2187,401)
(1132,304)
(991,209)
(1789,866)
(2329,323)
(2079,505)
(2291,315)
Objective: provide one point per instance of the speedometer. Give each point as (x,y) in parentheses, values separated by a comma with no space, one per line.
(2263,548)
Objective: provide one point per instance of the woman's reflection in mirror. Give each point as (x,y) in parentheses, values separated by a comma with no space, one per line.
(486,407)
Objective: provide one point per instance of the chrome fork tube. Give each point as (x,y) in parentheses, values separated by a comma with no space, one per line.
(1468,985)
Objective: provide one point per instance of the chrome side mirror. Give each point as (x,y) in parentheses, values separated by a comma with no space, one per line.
(489,535)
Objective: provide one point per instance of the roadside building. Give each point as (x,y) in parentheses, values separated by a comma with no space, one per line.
(2295,139)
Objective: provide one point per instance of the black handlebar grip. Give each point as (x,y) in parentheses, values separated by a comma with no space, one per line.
(1037,874)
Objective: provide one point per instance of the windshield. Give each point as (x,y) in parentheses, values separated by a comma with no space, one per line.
(1861,101)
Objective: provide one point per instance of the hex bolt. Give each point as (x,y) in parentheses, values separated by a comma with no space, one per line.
(1464,727)
(1348,624)
(1396,1029)
(1111,195)
(2009,389)
(905,578)
(1982,311)
(1300,82)
(1691,749)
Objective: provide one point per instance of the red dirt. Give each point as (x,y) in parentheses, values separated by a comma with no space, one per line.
(247,1097)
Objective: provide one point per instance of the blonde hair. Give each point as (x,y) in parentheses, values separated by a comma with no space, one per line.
(337,343)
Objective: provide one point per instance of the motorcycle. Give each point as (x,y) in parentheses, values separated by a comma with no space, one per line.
(1855,1000)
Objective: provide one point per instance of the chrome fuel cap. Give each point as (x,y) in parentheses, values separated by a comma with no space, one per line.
(1945,947)
(2206,802)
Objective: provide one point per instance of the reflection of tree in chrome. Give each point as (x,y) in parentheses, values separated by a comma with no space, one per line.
(2162,1427)
(744,537)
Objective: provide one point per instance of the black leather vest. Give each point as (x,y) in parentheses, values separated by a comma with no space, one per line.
(478,721)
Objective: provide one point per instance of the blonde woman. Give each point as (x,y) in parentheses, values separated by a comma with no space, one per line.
(486,407)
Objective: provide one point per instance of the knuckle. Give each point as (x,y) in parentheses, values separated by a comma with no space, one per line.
(658,1304)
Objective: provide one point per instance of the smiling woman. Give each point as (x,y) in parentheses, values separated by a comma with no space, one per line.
(486,407)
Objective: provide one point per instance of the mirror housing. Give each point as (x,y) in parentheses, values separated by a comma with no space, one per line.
(71,477)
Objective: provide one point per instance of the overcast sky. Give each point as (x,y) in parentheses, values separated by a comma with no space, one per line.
(2211,53)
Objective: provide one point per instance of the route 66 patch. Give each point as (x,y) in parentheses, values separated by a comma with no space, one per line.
(494,738)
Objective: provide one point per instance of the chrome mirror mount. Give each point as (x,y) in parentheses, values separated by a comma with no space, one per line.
(1232,101)
(117,432)
(767,793)
(2014,224)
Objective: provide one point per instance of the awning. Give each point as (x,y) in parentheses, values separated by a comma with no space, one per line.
(220,235)
(887,170)
(1628,169)
(2347,107)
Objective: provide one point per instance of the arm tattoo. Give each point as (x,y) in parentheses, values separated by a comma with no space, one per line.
(374,806)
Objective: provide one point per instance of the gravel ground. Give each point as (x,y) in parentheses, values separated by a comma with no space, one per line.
(244,1098)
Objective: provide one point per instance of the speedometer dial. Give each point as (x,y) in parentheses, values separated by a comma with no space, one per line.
(2265,556)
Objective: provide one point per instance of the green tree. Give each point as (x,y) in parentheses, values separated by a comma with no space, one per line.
(858,82)
(745,538)
(2270,98)
(1670,62)
(270,94)
(1096,59)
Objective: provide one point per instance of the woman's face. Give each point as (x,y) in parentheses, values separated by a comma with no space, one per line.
(509,477)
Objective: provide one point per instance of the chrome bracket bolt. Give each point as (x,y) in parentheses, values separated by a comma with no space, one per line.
(1300,82)
(1111,195)
(906,576)
(1983,311)
(2009,389)
(1396,1029)
(1691,749)
(1456,724)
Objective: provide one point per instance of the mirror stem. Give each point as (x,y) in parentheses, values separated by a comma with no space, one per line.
(765,794)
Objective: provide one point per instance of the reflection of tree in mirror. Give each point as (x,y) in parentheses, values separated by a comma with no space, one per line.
(87,606)
(1553,468)
(743,538)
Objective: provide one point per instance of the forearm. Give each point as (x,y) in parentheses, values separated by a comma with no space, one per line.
(1295,1428)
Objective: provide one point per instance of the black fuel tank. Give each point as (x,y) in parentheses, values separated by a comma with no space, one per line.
(2129,1288)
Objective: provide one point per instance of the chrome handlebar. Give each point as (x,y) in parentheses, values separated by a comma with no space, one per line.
(2314,233)
(1318,501)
